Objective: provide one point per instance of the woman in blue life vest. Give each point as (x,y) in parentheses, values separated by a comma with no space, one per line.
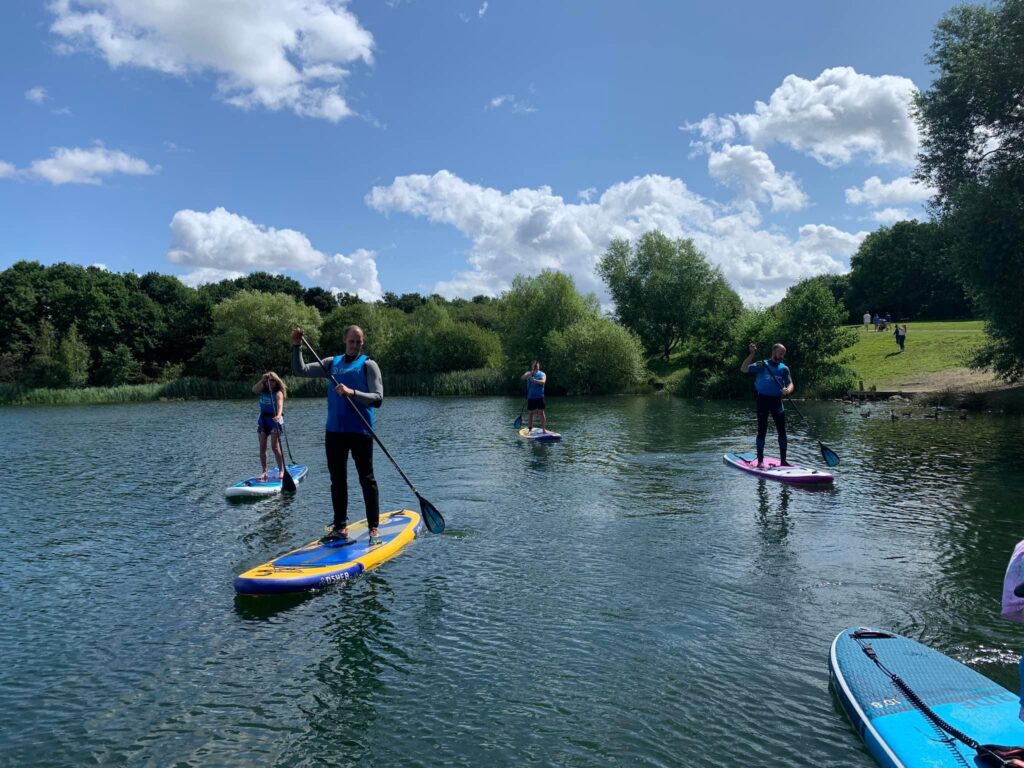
(361,388)
(272,392)
(536,379)
(772,383)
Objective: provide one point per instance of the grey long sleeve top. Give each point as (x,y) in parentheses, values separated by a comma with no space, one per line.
(374,382)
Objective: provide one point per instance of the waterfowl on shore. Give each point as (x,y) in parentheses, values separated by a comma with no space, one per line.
(893,416)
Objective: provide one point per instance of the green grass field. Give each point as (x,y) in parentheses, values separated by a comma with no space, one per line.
(931,349)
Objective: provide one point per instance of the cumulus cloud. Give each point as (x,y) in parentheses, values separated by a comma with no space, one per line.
(752,173)
(528,230)
(897,192)
(272,54)
(36,95)
(87,166)
(483,9)
(7,170)
(836,117)
(888,216)
(219,244)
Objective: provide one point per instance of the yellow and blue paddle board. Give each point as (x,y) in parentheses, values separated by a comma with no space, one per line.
(538,435)
(322,564)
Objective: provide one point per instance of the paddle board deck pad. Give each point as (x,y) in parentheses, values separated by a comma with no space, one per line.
(773,470)
(538,434)
(321,564)
(897,733)
(273,484)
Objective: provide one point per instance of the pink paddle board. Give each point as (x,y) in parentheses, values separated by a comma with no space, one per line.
(772,470)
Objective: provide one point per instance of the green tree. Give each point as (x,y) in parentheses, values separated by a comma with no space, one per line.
(320,298)
(594,355)
(73,355)
(250,333)
(660,288)
(534,307)
(117,366)
(44,368)
(906,269)
(809,322)
(379,324)
(972,129)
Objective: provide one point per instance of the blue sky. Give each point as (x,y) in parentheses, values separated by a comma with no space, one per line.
(447,146)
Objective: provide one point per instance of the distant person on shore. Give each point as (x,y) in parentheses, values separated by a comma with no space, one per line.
(362,385)
(772,383)
(876,320)
(867,320)
(536,379)
(901,335)
(272,392)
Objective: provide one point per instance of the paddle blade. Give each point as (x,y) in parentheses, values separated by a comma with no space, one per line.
(433,518)
(287,483)
(518,423)
(831,457)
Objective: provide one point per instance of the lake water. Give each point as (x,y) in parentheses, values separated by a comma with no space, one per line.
(620,598)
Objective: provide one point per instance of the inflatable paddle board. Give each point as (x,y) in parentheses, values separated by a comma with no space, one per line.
(897,733)
(322,564)
(538,434)
(273,484)
(773,471)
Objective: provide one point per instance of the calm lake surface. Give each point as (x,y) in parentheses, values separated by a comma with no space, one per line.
(620,598)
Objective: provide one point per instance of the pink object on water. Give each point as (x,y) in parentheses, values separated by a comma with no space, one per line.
(1013,604)
(773,470)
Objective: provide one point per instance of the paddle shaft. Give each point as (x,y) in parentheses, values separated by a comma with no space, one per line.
(287,482)
(362,419)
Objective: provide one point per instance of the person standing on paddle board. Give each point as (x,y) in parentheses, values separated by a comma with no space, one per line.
(772,383)
(536,379)
(362,385)
(272,392)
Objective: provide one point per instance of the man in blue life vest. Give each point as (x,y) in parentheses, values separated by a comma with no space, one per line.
(360,384)
(772,383)
(535,381)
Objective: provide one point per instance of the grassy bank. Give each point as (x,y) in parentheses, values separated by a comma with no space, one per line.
(936,357)
(483,381)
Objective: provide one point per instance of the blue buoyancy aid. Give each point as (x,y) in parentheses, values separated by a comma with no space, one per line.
(340,416)
(535,388)
(769,378)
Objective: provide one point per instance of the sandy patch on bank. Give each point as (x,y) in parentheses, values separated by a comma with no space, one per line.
(949,380)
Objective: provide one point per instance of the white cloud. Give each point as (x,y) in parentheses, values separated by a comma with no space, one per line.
(276,55)
(752,173)
(7,170)
(514,105)
(889,216)
(221,244)
(36,95)
(87,166)
(100,265)
(587,194)
(483,9)
(205,275)
(527,230)
(899,191)
(839,115)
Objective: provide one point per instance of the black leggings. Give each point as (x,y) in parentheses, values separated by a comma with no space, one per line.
(339,444)
(771,405)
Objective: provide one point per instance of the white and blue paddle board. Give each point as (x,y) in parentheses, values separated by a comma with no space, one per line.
(539,435)
(896,733)
(254,487)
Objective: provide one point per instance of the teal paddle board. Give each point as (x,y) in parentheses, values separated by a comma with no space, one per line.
(896,731)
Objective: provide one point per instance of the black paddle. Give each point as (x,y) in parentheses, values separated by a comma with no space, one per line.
(831,457)
(287,483)
(431,516)
(518,423)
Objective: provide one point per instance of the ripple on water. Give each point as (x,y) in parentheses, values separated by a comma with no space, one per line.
(621,597)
